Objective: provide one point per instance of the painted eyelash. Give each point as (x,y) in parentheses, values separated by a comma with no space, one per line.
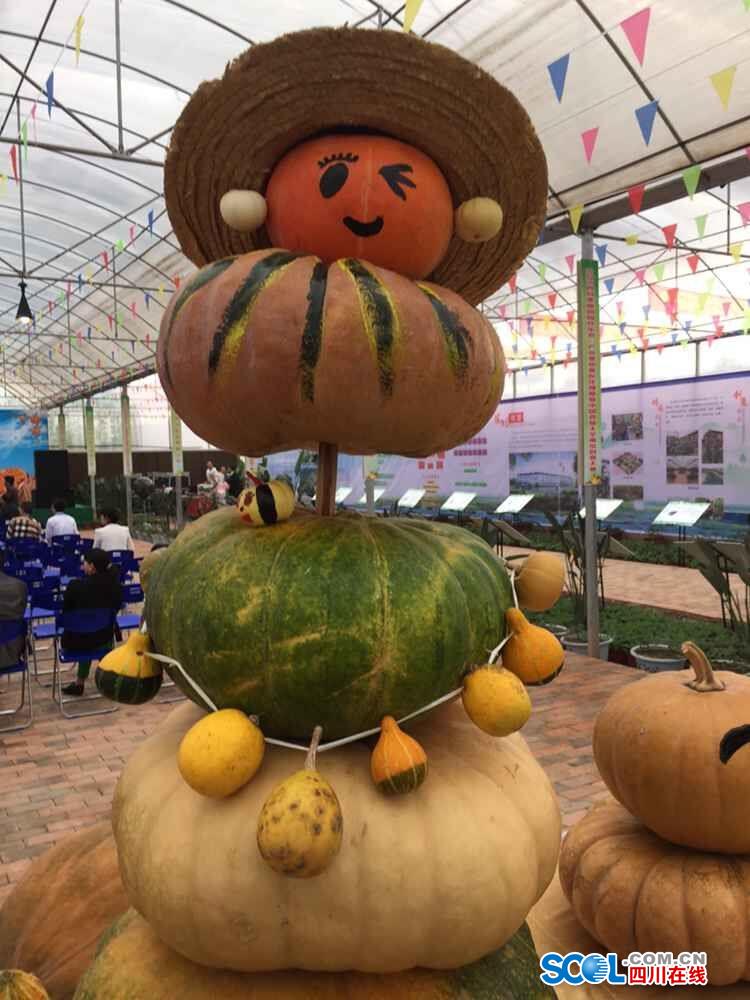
(338,157)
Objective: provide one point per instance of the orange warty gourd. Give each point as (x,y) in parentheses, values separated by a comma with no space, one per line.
(656,744)
(634,891)
(398,763)
(272,351)
(18,985)
(366,196)
(532,653)
(52,920)
(540,580)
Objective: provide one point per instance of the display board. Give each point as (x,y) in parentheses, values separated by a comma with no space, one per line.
(514,503)
(411,499)
(604,509)
(458,501)
(21,434)
(681,513)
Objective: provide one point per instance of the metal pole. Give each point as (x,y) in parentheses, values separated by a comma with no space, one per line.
(589,392)
(20,192)
(61,435)
(127,454)
(120,142)
(175,437)
(90,439)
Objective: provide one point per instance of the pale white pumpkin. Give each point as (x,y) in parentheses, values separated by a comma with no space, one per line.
(436,879)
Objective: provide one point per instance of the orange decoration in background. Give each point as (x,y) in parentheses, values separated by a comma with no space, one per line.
(364,196)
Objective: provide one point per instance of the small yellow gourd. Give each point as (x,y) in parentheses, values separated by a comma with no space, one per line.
(496,700)
(17,985)
(266,503)
(540,581)
(532,653)
(478,220)
(301,825)
(221,753)
(128,674)
(398,763)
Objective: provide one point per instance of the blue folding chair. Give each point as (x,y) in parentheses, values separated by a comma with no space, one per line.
(65,544)
(45,602)
(85,545)
(71,568)
(29,574)
(126,561)
(83,623)
(132,593)
(11,631)
(27,550)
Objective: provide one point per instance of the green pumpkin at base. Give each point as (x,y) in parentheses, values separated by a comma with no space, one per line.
(133,964)
(333,621)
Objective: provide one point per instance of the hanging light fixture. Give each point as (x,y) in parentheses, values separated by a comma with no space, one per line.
(24,316)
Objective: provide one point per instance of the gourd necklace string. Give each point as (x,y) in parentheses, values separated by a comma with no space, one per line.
(346,739)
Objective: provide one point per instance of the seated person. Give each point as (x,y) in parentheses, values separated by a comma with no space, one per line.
(10,496)
(60,523)
(21,524)
(12,606)
(112,536)
(99,588)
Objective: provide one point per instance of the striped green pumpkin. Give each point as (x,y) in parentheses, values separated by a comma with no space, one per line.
(127,690)
(273,350)
(334,621)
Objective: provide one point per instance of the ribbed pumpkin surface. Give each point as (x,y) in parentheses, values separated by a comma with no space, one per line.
(133,964)
(334,621)
(275,350)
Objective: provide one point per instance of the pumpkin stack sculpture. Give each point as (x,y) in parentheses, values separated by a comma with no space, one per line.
(667,866)
(350,196)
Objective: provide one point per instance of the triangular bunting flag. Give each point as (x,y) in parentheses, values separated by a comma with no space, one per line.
(542,271)
(570,260)
(558,70)
(105,258)
(659,271)
(635,194)
(636,32)
(693,260)
(50,90)
(669,234)
(569,317)
(747,4)
(736,252)
(80,283)
(132,234)
(641,275)
(674,337)
(609,284)
(512,282)
(410,12)
(631,239)
(700,225)
(575,213)
(14,163)
(120,245)
(33,119)
(744,210)
(601,253)
(503,310)
(588,138)
(702,299)
(177,279)
(723,82)
(151,221)
(645,116)
(691,177)
(726,306)
(552,299)
(25,141)
(78,30)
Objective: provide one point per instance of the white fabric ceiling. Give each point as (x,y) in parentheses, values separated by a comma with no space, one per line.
(78,206)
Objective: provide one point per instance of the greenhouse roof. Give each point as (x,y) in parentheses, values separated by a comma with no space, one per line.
(623,95)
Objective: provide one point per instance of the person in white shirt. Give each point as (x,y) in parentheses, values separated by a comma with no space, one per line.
(212,474)
(112,535)
(60,523)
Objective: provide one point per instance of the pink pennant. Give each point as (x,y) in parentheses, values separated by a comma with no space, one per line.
(672,294)
(148,340)
(570,315)
(105,258)
(571,262)
(635,194)
(33,118)
(659,348)
(512,282)
(619,308)
(67,291)
(132,234)
(552,298)
(589,138)
(132,307)
(716,321)
(726,306)
(177,279)
(636,32)
(14,163)
(503,311)
(50,306)
(693,260)
(109,320)
(669,234)
(744,210)
(641,275)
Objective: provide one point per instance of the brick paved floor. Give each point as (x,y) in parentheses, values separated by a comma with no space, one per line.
(59,775)
(675,588)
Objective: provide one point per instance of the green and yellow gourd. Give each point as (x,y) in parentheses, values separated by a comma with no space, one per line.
(332,621)
(266,503)
(398,763)
(532,653)
(128,674)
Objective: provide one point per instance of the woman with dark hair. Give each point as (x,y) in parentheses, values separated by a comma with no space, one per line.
(99,589)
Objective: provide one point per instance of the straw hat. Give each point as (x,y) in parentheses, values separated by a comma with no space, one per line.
(234,130)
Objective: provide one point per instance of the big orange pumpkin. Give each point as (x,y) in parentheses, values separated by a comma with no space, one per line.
(273,351)
(365,196)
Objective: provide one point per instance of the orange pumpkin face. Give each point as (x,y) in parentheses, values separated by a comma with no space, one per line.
(364,196)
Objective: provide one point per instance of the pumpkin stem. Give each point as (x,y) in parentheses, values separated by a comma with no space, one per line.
(312,753)
(705,680)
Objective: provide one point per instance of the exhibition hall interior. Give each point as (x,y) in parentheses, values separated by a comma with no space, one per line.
(374,499)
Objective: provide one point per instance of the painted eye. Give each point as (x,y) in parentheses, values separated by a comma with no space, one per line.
(394,176)
(333,179)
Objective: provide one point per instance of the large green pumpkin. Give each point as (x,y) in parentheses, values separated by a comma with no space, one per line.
(334,621)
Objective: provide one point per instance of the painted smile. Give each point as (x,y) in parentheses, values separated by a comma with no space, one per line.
(363,228)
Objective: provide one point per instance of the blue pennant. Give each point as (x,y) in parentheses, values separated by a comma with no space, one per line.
(601,253)
(558,70)
(646,116)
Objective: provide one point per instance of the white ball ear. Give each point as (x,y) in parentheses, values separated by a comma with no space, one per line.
(244,211)
(478,220)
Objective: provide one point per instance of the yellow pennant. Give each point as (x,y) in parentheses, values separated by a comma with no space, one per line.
(3,182)
(723,82)
(79,29)
(411,11)
(632,239)
(736,252)
(575,213)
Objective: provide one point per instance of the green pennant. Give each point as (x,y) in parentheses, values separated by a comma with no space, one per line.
(527,306)
(702,299)
(747,4)
(542,271)
(700,225)
(659,271)
(691,176)
(120,245)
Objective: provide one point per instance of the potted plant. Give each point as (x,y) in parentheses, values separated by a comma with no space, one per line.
(655,657)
